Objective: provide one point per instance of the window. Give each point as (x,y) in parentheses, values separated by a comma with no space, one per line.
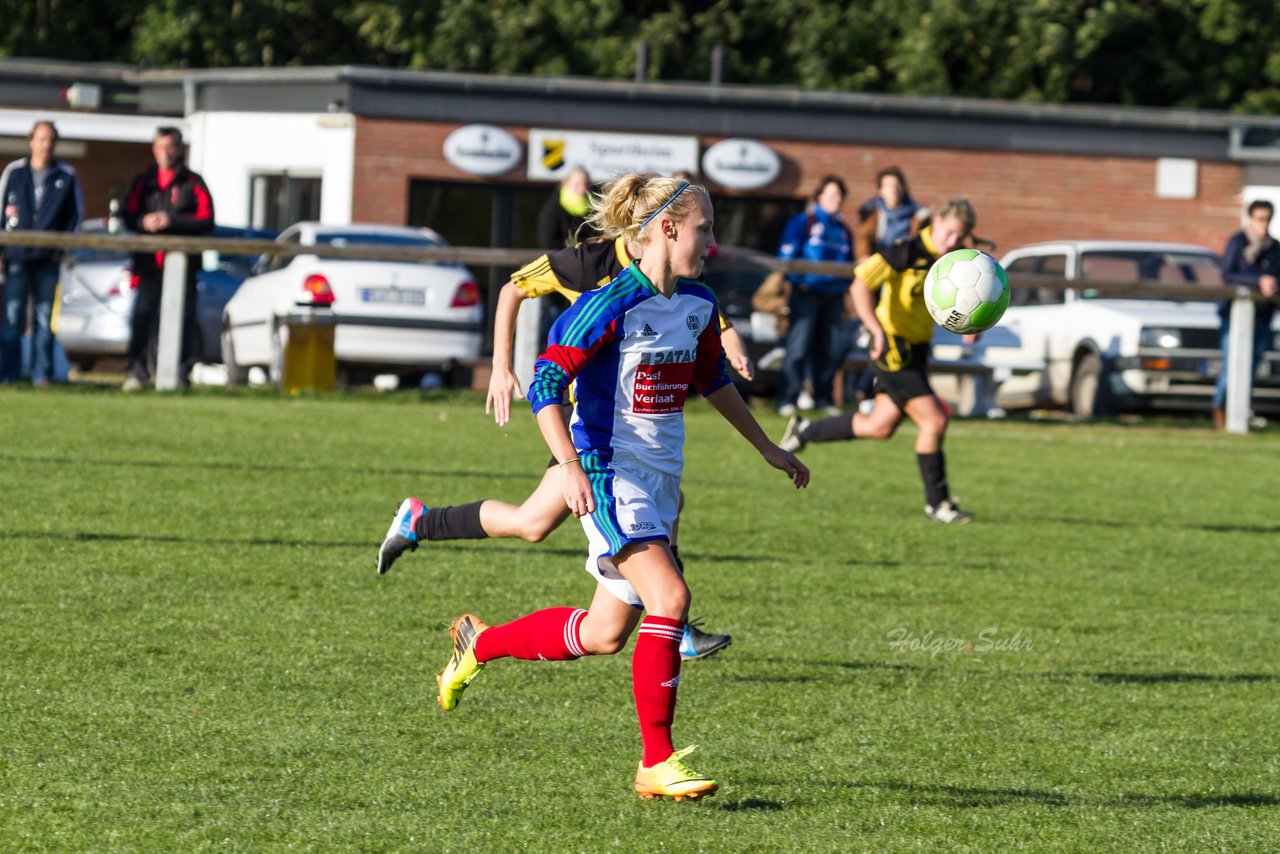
(279,262)
(277,201)
(1149,265)
(1044,265)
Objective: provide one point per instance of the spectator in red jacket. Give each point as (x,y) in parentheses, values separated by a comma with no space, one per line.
(168,198)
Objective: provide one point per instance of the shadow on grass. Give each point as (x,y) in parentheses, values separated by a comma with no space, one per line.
(105,537)
(847,665)
(976,796)
(531,475)
(1117,523)
(916,564)
(1168,678)
(96,536)
(749,805)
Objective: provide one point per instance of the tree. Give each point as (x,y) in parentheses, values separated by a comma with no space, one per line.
(1203,54)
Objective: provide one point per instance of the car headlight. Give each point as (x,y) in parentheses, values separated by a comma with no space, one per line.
(1168,339)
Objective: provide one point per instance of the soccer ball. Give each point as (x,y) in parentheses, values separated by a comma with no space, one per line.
(966,291)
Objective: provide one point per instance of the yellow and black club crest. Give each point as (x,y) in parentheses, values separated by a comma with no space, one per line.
(553,153)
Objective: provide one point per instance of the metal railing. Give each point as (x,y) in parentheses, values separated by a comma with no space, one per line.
(176,249)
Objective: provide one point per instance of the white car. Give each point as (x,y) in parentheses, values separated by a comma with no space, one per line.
(392,316)
(1096,354)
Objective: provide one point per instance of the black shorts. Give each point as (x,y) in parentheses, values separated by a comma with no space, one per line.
(902,372)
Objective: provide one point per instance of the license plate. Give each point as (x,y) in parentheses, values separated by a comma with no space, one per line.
(72,323)
(396,296)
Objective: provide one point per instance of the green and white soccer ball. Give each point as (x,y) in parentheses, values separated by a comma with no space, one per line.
(966,291)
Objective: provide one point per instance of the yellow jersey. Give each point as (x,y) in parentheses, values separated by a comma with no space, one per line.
(899,273)
(573,271)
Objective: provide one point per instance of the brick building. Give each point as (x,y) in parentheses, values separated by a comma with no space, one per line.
(365,144)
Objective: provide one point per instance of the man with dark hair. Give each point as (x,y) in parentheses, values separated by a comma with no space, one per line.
(1252,260)
(168,198)
(40,193)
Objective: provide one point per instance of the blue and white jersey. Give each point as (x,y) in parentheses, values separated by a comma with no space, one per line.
(634,354)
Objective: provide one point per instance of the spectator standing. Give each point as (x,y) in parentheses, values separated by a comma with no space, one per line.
(40,193)
(563,213)
(888,216)
(816,308)
(167,198)
(1252,260)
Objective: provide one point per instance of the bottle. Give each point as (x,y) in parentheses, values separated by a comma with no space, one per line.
(11,213)
(113,217)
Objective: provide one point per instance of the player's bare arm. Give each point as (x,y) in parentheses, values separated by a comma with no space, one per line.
(735,351)
(573,480)
(503,382)
(865,306)
(729,403)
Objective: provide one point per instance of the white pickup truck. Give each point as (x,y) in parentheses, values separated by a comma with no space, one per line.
(1098,355)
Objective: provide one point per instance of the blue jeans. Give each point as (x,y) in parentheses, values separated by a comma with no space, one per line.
(1261,339)
(815,336)
(40,280)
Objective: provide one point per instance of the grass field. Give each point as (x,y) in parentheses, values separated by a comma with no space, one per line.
(197,653)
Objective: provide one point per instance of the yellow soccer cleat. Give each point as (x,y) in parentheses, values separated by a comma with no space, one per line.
(674,779)
(462,666)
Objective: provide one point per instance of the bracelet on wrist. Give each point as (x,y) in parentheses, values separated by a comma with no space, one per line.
(566,462)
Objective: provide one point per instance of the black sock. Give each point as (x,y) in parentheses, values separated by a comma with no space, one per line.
(451,523)
(836,428)
(933,471)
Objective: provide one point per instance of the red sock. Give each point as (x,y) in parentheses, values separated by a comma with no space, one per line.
(655,674)
(548,635)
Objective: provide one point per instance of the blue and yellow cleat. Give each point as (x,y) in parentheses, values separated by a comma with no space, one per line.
(462,666)
(400,536)
(673,779)
(697,644)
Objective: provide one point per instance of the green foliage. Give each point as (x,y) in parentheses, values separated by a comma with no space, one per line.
(1207,54)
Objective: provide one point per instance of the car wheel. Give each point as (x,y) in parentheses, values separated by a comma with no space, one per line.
(237,374)
(1090,392)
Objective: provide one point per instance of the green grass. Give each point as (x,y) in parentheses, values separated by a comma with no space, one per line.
(197,653)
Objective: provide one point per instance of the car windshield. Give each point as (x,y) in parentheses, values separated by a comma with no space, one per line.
(1172,267)
(98,256)
(357,238)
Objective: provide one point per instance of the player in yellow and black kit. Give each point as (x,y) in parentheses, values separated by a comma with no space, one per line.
(901,329)
(569,272)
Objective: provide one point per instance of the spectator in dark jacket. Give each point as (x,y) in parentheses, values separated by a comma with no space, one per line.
(1251,260)
(562,214)
(40,194)
(816,307)
(168,198)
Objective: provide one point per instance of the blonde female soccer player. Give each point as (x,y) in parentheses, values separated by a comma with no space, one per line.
(569,272)
(635,347)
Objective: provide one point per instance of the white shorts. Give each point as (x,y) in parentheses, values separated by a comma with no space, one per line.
(633,505)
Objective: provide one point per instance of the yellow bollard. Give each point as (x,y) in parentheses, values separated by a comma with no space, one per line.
(309,363)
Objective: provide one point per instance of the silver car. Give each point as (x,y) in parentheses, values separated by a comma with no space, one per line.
(99,287)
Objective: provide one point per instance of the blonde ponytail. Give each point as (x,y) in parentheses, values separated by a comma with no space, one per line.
(625,204)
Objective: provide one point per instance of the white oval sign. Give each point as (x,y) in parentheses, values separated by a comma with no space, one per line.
(741,164)
(482,150)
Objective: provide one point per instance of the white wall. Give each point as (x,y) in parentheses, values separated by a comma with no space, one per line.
(227,148)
